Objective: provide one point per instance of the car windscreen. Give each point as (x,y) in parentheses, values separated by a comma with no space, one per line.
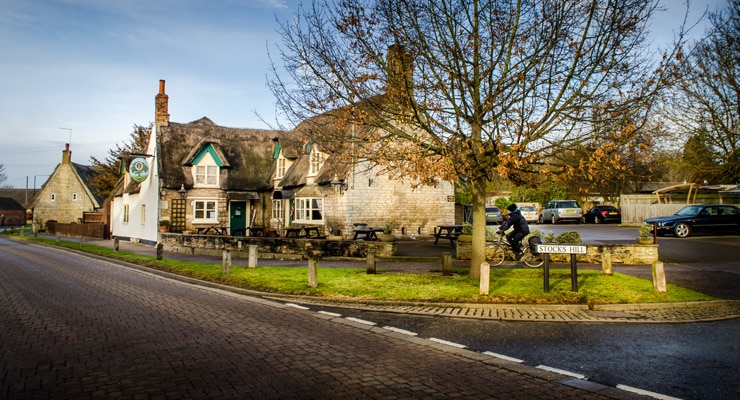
(689,210)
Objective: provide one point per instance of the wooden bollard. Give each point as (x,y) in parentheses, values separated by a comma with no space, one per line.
(313,269)
(370,262)
(253,256)
(485,278)
(659,277)
(57,235)
(446,264)
(160,251)
(116,244)
(226,261)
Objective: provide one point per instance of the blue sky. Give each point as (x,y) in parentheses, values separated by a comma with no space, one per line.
(93,66)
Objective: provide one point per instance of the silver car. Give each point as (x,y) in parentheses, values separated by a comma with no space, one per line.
(530,213)
(561,210)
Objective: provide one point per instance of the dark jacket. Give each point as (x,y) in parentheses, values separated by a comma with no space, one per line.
(517,221)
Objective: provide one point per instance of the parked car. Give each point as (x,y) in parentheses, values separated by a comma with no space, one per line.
(699,218)
(493,215)
(561,210)
(602,215)
(530,213)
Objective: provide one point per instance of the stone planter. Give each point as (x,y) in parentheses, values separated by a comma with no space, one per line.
(387,237)
(644,240)
(465,238)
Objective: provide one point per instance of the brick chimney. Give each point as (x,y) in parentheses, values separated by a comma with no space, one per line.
(66,155)
(400,66)
(161,104)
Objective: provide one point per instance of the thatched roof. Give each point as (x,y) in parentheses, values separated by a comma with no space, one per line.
(247,154)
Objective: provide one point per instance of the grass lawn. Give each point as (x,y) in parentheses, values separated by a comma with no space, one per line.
(523,285)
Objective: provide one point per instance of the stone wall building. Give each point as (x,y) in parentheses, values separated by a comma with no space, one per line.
(66,195)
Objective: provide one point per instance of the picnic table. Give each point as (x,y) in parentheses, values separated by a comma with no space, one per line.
(366,233)
(212,230)
(450,232)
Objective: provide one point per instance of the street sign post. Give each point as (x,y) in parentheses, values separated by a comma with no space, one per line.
(573,250)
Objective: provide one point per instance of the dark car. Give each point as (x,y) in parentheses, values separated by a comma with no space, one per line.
(493,215)
(602,215)
(699,218)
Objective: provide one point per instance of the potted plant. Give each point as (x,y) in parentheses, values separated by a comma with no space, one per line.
(466,233)
(388,233)
(163,225)
(644,237)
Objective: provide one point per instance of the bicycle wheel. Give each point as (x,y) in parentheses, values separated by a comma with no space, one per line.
(533,260)
(495,255)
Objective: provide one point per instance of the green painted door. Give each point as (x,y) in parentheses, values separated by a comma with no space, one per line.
(238,218)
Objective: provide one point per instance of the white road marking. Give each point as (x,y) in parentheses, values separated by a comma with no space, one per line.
(361,321)
(399,330)
(296,306)
(453,344)
(333,314)
(646,393)
(561,371)
(503,357)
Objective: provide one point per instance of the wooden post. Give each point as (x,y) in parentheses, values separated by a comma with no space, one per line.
(253,256)
(313,269)
(57,235)
(115,244)
(659,277)
(446,264)
(226,261)
(606,261)
(370,263)
(485,277)
(82,241)
(160,251)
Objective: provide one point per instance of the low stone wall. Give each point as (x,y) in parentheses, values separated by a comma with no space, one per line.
(279,248)
(627,253)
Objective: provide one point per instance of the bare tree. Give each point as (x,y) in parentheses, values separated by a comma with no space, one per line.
(708,105)
(468,89)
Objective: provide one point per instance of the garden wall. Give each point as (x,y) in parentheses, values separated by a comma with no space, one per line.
(627,253)
(279,248)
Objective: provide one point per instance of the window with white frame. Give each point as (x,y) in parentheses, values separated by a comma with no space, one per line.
(125,213)
(277,209)
(280,168)
(205,211)
(316,160)
(309,209)
(206,175)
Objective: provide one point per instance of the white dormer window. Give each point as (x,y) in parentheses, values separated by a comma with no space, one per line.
(280,168)
(206,175)
(206,167)
(316,160)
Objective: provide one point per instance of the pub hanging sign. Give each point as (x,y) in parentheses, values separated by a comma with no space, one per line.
(139,169)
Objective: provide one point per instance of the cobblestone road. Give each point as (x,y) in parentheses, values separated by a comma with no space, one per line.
(78,328)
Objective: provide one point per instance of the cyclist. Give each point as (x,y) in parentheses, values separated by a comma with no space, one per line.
(521,229)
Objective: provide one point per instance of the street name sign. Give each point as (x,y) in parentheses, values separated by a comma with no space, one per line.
(560,249)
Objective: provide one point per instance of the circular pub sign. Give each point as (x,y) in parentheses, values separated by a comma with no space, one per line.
(139,169)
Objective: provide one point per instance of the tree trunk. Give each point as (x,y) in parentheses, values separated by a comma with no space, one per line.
(479,226)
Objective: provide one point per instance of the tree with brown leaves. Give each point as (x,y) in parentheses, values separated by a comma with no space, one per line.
(467,89)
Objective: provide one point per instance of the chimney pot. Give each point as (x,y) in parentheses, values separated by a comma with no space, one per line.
(161,86)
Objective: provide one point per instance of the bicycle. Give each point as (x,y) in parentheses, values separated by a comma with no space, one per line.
(497,252)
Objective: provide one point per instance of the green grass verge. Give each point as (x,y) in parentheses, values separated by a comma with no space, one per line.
(523,285)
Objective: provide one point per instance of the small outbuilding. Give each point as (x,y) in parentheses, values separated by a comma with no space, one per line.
(12,213)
